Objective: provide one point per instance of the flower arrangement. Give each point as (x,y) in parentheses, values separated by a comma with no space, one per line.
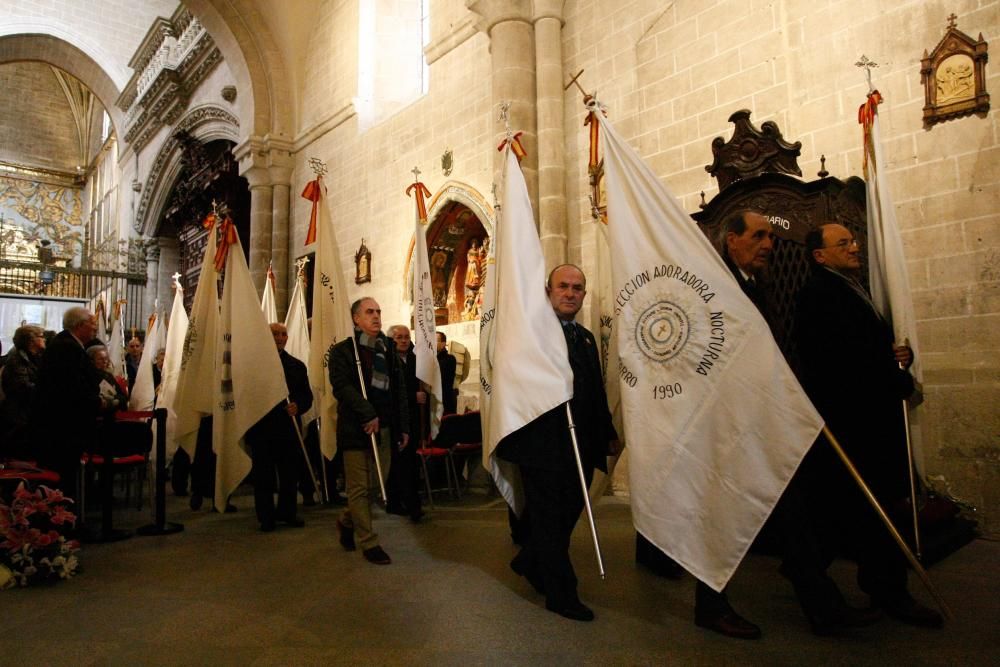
(33,548)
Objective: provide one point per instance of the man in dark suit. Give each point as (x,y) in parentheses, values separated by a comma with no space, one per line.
(274,444)
(403,471)
(745,243)
(448,365)
(68,399)
(856,378)
(543,450)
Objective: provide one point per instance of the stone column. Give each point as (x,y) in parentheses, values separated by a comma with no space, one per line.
(149,295)
(512,51)
(551,170)
(281,176)
(261,204)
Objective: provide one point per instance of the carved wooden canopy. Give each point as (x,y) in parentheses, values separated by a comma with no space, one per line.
(751,152)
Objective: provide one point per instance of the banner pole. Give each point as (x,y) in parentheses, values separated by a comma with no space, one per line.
(305,454)
(364,393)
(913,483)
(585,490)
(942,605)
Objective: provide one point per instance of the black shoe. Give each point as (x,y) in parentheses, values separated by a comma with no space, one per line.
(730,624)
(573,610)
(196,501)
(294,522)
(521,569)
(230,508)
(309,500)
(840,616)
(415,517)
(346,536)
(180,493)
(911,612)
(376,556)
(267,526)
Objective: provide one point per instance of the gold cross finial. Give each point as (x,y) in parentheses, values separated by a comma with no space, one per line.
(953,20)
(318,166)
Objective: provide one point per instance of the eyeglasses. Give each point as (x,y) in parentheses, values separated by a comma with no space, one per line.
(843,243)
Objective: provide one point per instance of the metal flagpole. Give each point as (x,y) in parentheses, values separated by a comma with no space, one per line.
(913,482)
(364,393)
(942,605)
(585,490)
(302,444)
(322,463)
(867,65)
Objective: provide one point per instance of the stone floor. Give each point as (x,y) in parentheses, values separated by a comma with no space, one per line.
(222,593)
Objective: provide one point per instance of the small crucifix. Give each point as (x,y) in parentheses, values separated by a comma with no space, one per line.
(177,280)
(416,174)
(574,82)
(953,20)
(868,65)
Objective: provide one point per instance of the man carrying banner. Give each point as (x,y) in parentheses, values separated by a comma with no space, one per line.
(378,408)
(853,374)
(274,444)
(544,452)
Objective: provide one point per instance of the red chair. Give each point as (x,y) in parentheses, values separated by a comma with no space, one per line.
(430,452)
(15,472)
(130,439)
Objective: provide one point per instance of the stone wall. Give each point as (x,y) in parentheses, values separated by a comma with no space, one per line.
(370,170)
(672,73)
(49,140)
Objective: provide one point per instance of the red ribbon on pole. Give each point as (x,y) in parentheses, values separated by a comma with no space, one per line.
(313,192)
(150,321)
(515,145)
(227,237)
(866,117)
(422,192)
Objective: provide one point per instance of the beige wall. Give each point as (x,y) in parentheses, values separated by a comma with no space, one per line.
(671,74)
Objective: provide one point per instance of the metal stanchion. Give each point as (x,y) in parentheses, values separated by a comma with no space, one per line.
(160,525)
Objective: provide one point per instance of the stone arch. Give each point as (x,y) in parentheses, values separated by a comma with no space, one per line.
(205,123)
(459,224)
(253,58)
(57,51)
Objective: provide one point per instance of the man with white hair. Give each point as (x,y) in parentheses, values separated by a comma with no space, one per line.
(65,414)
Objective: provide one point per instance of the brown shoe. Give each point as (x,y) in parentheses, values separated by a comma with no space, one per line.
(376,556)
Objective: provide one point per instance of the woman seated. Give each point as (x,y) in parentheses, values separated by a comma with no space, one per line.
(18,380)
(112,393)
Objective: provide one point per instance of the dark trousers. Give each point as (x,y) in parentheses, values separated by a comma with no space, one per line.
(203,466)
(276,460)
(403,476)
(180,472)
(554,501)
(827,515)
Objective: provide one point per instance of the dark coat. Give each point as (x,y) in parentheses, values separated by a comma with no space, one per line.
(448,365)
(849,370)
(68,401)
(20,378)
(545,443)
(409,368)
(276,425)
(353,409)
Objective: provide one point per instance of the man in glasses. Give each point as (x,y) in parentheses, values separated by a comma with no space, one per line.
(856,377)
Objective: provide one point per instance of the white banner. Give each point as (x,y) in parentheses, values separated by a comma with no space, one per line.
(524,364)
(715,420)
